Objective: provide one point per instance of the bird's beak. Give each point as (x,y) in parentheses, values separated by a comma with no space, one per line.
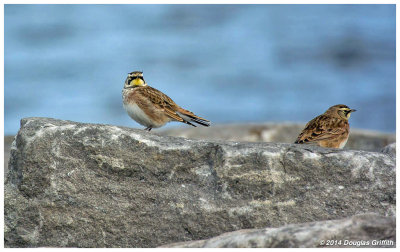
(353,110)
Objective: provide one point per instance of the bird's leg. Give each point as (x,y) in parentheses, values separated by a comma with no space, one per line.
(148,128)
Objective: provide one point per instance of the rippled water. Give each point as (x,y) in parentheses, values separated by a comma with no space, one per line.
(227,63)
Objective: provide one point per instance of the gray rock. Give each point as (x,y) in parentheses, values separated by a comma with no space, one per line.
(367,230)
(7,149)
(278,133)
(390,150)
(89,185)
(266,132)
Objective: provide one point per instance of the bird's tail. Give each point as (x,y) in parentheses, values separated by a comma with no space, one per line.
(189,117)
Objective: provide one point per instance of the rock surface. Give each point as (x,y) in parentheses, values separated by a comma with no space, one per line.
(367,230)
(89,185)
(390,150)
(278,133)
(267,132)
(7,148)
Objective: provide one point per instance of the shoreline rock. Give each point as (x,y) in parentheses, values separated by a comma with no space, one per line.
(258,132)
(359,231)
(7,149)
(89,185)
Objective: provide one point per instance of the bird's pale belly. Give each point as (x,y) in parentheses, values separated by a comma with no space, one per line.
(140,116)
(342,144)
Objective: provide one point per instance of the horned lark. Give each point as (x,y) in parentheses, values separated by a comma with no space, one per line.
(150,107)
(331,129)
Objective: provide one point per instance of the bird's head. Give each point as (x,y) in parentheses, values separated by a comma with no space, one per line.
(340,110)
(135,79)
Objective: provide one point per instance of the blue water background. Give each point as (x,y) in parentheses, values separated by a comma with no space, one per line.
(227,63)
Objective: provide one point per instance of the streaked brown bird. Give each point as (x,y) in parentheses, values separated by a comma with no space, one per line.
(331,129)
(152,108)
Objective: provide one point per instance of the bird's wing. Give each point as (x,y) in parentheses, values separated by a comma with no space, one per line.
(321,128)
(161,101)
(191,114)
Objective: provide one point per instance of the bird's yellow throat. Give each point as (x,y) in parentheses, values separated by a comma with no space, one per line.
(137,82)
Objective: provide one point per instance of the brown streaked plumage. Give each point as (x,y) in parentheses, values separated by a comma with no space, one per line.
(152,108)
(330,129)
